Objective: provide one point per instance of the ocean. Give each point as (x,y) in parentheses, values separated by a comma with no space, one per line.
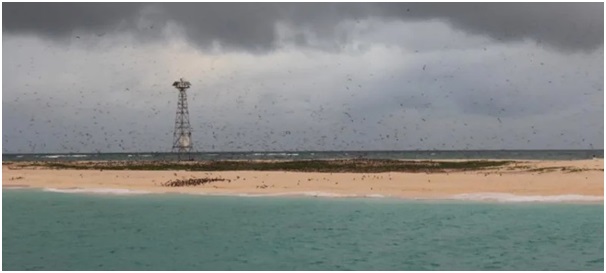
(301,155)
(76,231)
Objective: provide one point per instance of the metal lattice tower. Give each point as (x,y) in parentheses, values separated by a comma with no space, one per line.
(182,136)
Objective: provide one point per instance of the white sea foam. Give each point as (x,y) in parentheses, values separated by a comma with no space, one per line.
(275,154)
(307,193)
(326,194)
(58,156)
(284,154)
(374,196)
(506,197)
(261,194)
(97,191)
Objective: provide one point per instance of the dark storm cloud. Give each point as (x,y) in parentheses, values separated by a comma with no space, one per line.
(60,19)
(563,25)
(251,26)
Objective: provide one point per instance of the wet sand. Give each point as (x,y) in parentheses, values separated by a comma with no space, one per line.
(524,178)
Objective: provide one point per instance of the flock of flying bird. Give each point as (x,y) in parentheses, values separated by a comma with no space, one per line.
(253,120)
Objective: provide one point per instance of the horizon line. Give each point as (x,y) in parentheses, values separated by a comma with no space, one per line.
(311,151)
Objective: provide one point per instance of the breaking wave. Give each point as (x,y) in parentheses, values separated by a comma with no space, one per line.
(506,197)
(59,156)
(487,196)
(275,154)
(97,191)
(375,196)
(278,194)
(327,194)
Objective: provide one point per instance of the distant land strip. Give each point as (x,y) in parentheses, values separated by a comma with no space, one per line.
(319,166)
(324,166)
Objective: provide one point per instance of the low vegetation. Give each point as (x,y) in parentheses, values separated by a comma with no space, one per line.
(190,182)
(332,166)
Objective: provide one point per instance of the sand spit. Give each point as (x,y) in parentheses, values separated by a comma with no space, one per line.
(533,180)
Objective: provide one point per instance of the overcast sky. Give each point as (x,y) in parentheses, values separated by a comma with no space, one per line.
(397,76)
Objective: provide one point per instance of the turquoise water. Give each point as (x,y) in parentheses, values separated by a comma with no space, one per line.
(59,231)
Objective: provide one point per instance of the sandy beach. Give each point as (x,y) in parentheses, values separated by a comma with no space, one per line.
(521,178)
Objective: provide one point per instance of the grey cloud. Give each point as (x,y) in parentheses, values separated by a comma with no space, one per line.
(80,99)
(60,19)
(562,25)
(252,26)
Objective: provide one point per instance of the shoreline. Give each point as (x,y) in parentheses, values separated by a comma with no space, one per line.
(517,181)
(487,197)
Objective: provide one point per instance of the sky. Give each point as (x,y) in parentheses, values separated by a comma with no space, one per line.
(97,77)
